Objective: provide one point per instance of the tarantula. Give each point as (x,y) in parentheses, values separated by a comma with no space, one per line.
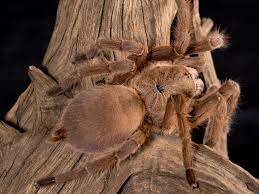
(151,90)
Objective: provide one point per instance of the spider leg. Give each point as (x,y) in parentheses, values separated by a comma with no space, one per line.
(170,117)
(99,66)
(61,178)
(211,90)
(129,147)
(213,41)
(176,111)
(231,91)
(181,108)
(181,36)
(136,49)
(130,46)
(183,45)
(215,138)
(194,62)
(137,53)
(121,70)
(206,26)
(214,109)
(218,107)
(182,31)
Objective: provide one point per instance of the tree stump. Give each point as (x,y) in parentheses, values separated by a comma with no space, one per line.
(157,167)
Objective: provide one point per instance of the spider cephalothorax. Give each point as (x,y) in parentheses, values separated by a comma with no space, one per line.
(159,81)
(156,89)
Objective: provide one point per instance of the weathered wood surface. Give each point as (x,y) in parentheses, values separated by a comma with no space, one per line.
(157,167)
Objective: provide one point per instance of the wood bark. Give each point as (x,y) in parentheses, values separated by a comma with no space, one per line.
(157,167)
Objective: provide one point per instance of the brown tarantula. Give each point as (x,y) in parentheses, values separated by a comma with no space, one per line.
(151,90)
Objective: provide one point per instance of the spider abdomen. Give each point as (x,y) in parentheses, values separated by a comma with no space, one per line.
(102,118)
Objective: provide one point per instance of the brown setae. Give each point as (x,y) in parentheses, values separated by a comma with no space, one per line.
(143,94)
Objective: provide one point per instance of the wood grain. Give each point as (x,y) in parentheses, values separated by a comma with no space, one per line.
(157,167)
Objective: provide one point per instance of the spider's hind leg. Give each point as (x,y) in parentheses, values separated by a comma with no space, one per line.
(136,49)
(99,66)
(120,70)
(128,148)
(61,178)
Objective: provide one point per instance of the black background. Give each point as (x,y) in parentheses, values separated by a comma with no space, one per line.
(26,28)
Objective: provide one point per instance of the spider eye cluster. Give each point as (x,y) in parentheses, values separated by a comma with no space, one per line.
(160,88)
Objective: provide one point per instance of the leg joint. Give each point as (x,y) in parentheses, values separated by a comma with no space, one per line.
(230,88)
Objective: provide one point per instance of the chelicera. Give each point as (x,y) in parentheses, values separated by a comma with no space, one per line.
(152,90)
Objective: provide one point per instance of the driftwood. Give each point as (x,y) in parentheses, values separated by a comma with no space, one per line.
(157,167)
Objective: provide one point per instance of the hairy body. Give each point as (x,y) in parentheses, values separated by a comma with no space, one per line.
(152,90)
(108,115)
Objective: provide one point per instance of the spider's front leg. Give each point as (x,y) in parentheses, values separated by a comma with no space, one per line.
(177,110)
(183,45)
(218,106)
(214,41)
(182,36)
